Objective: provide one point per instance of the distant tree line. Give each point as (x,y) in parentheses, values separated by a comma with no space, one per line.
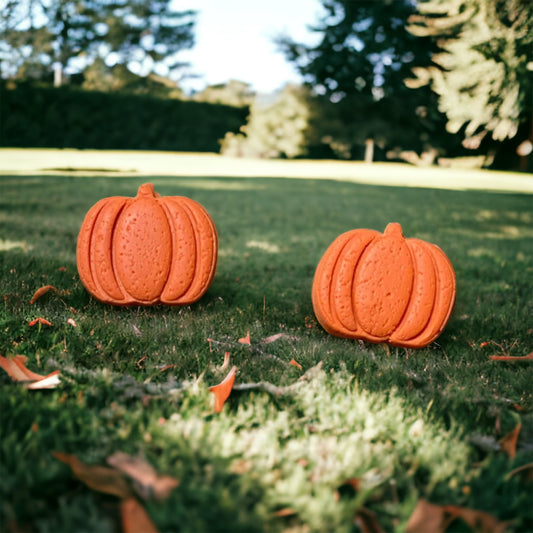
(418,80)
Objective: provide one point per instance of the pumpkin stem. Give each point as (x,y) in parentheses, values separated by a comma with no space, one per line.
(394,230)
(147,189)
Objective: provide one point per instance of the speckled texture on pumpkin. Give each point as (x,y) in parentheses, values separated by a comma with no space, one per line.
(147,250)
(384,288)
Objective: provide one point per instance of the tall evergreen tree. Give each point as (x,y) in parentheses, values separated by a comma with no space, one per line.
(359,65)
(56,32)
(482,74)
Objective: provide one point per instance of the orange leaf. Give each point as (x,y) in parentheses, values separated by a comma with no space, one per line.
(39,321)
(245,340)
(223,389)
(225,364)
(508,442)
(147,481)
(286,511)
(528,357)
(99,478)
(51,381)
(295,363)
(16,368)
(40,292)
(134,518)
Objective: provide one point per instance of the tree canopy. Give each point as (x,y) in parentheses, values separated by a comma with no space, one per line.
(71,34)
(482,73)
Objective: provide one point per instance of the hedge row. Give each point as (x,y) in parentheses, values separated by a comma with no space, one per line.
(46,117)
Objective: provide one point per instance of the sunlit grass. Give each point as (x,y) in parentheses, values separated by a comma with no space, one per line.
(136,379)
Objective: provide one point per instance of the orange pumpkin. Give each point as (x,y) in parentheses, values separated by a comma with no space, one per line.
(384,288)
(147,250)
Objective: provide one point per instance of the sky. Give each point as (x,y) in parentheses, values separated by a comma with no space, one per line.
(234,40)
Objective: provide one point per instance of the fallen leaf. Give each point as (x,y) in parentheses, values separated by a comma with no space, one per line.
(223,389)
(72,322)
(41,292)
(39,321)
(367,521)
(286,511)
(246,339)
(51,381)
(147,482)
(225,364)
(508,442)
(426,518)
(17,371)
(134,518)
(528,357)
(431,518)
(293,362)
(479,521)
(96,477)
(16,368)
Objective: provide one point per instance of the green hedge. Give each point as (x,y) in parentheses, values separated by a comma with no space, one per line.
(46,117)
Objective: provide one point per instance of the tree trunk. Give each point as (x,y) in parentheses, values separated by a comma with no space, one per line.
(369,150)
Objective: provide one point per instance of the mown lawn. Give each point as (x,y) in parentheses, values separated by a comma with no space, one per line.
(358,431)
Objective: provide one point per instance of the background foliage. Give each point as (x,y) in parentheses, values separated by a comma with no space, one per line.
(63,117)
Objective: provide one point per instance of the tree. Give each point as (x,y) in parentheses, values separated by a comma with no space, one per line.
(481,74)
(72,33)
(359,64)
(275,128)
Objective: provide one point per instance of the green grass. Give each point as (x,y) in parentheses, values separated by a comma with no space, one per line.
(407,424)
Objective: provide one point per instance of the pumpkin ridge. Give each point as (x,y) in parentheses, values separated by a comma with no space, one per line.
(348,294)
(165,204)
(109,295)
(203,272)
(440,312)
(322,284)
(409,327)
(83,248)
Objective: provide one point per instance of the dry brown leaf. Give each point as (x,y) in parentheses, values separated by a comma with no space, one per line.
(431,518)
(246,339)
(508,442)
(426,518)
(286,511)
(223,389)
(367,521)
(41,292)
(528,357)
(479,521)
(134,517)
(147,482)
(96,477)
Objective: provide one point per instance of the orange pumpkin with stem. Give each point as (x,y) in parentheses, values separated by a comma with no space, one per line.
(384,288)
(147,250)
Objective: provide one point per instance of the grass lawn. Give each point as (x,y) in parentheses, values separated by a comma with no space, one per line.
(356,436)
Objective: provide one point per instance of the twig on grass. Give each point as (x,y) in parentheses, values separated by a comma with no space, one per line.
(278,390)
